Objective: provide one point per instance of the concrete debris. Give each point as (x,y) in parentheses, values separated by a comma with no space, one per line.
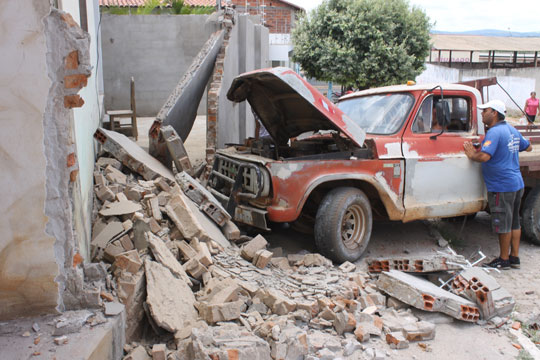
(203,198)
(164,256)
(113,308)
(432,263)
(120,208)
(251,302)
(425,295)
(250,249)
(71,322)
(478,286)
(132,155)
(176,149)
(169,299)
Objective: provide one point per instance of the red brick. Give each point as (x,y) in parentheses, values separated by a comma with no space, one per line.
(233,354)
(71,160)
(75,81)
(73,101)
(72,60)
(73,175)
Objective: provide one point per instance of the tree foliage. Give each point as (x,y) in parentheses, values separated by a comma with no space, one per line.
(362,43)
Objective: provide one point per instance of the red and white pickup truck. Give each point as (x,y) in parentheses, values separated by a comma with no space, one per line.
(393,153)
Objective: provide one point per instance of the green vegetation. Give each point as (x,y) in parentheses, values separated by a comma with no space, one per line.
(362,43)
(174,7)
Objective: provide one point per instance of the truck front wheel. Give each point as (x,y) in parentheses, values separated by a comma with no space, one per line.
(531,216)
(343,224)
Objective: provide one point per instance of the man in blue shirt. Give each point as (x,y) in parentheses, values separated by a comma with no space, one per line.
(499,156)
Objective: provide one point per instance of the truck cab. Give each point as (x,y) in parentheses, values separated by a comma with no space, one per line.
(387,153)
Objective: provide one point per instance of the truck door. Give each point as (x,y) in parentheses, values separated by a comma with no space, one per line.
(440,181)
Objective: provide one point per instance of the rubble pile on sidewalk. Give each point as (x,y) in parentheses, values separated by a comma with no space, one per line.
(193,287)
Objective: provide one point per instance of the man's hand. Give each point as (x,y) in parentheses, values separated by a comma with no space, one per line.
(474,154)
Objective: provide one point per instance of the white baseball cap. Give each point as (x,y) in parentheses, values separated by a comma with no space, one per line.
(496,105)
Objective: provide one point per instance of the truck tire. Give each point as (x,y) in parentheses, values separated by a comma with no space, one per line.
(531,216)
(343,224)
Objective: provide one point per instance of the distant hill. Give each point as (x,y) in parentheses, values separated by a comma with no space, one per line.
(490,32)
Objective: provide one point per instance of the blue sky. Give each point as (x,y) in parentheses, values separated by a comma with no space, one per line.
(464,15)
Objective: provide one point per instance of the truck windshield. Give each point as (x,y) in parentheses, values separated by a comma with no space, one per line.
(378,114)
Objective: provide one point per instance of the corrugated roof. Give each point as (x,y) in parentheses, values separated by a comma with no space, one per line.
(484,43)
(137,3)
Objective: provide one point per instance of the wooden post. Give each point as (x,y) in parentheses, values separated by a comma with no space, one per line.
(439,56)
(470,60)
(515,58)
(450,58)
(489,60)
(536,59)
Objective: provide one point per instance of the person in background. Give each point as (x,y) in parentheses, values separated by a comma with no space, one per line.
(531,108)
(499,156)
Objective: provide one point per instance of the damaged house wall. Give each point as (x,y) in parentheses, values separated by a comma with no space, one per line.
(156,50)
(45,63)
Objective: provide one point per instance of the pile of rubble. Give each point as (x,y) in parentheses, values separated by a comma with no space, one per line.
(193,287)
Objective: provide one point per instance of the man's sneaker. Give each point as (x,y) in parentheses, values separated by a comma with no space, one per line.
(514,262)
(498,263)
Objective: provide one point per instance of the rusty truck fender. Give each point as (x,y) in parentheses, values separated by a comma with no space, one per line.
(385,176)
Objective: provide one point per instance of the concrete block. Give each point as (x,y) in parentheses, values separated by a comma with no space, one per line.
(309,260)
(139,353)
(361,333)
(113,308)
(256,244)
(396,340)
(128,261)
(431,263)
(347,267)
(221,312)
(159,352)
(392,302)
(186,250)
(195,268)
(115,176)
(140,228)
(154,206)
(262,258)
(126,243)
(281,263)
(103,162)
(112,251)
(203,253)
(104,193)
(424,295)
(344,322)
(231,231)
(134,192)
(99,179)
(419,331)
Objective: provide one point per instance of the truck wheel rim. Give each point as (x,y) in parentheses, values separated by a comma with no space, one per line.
(353,227)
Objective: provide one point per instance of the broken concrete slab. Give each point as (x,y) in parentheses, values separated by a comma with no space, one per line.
(118,208)
(113,308)
(202,197)
(424,295)
(111,230)
(170,300)
(477,285)
(71,321)
(419,331)
(132,155)
(164,256)
(439,262)
(190,221)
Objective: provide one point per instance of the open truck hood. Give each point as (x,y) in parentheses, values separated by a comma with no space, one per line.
(288,106)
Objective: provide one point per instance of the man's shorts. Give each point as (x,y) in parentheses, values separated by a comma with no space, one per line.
(504,207)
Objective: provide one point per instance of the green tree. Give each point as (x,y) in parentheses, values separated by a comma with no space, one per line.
(362,43)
